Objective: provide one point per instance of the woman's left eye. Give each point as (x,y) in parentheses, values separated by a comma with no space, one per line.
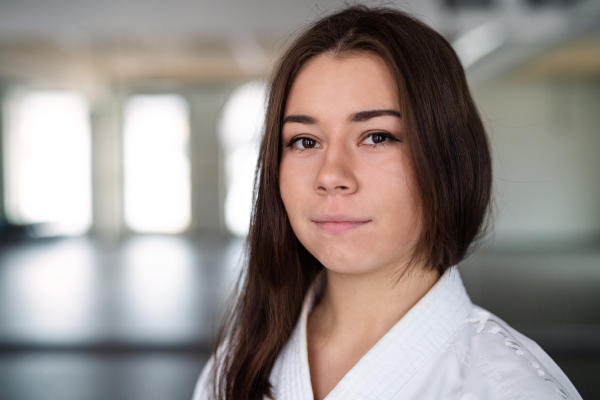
(378,138)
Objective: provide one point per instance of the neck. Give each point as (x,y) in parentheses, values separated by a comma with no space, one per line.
(366,306)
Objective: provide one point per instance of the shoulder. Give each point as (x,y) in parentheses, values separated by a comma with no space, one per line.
(498,360)
(203,389)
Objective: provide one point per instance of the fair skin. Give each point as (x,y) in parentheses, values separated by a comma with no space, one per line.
(347,186)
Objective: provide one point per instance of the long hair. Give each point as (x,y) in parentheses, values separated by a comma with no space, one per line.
(449,155)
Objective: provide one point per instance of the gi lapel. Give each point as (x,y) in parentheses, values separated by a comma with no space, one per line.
(400,353)
(394,359)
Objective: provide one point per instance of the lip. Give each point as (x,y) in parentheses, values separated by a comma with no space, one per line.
(339,223)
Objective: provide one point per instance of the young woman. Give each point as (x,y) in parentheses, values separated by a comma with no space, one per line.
(373,181)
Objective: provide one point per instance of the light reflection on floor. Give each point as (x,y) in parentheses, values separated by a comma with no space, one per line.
(147,289)
(50,293)
(158,290)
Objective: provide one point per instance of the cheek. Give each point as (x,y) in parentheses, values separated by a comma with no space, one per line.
(390,178)
(292,187)
(394,193)
(285,187)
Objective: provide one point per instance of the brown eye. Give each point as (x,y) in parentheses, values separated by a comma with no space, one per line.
(307,143)
(378,138)
(303,143)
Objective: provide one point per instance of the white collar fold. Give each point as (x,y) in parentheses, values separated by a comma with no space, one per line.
(394,359)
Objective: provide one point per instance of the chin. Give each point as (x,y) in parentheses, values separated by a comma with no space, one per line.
(348,269)
(345,261)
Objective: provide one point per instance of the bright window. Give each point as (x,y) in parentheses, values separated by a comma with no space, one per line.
(240,129)
(157,165)
(47,161)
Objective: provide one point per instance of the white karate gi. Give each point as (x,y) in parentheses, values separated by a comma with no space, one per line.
(443,348)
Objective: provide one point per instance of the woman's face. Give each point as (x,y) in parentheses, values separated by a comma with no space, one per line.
(345,177)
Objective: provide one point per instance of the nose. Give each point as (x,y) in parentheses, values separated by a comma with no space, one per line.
(336,174)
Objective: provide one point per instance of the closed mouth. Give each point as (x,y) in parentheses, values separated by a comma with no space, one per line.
(339,226)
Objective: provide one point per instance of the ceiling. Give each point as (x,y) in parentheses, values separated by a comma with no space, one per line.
(214,40)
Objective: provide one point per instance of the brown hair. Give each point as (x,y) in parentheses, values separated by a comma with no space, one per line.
(450,159)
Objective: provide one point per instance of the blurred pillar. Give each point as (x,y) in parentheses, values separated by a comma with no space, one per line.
(2,111)
(207,211)
(107,165)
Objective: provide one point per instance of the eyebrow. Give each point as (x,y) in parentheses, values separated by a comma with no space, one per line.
(356,117)
(365,115)
(301,119)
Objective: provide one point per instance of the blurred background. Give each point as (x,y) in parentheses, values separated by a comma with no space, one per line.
(128,143)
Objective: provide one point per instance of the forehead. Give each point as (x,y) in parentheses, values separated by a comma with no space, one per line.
(345,84)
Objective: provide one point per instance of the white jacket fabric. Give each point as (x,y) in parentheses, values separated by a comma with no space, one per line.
(443,348)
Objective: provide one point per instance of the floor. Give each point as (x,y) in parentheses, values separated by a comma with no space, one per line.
(64,375)
(133,319)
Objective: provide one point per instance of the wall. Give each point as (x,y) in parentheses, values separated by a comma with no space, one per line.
(545,137)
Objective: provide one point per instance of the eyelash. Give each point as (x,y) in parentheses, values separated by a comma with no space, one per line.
(390,138)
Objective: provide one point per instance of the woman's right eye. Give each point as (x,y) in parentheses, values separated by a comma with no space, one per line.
(304,143)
